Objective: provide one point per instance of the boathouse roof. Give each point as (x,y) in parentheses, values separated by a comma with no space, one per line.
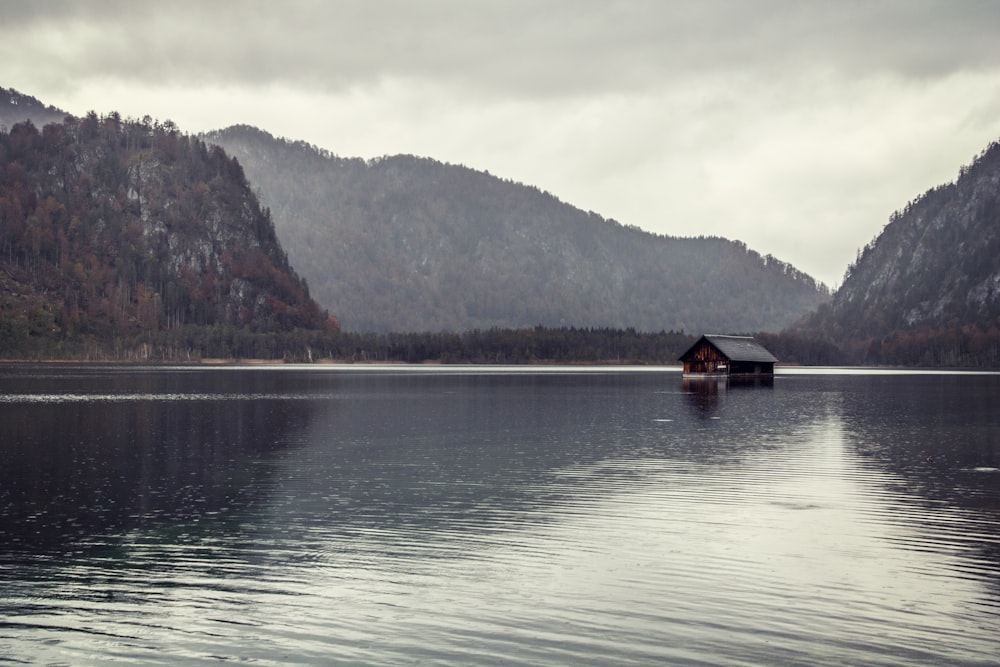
(735,348)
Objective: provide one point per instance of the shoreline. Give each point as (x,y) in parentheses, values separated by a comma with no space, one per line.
(319,362)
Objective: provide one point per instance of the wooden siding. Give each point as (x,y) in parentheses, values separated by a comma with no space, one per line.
(706,358)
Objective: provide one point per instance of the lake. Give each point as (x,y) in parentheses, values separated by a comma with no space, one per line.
(496,515)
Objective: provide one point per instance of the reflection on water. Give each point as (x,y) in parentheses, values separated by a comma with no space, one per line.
(703,393)
(471,516)
(80,463)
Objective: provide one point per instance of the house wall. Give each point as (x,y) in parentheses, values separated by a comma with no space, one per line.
(706,359)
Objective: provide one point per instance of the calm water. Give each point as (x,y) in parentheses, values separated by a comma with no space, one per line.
(484,516)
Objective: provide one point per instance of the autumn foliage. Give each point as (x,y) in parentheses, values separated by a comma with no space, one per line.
(115,232)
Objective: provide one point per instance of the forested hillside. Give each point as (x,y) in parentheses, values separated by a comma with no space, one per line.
(410,244)
(927,290)
(122,237)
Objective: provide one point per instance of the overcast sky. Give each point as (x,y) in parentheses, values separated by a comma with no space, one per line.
(797,127)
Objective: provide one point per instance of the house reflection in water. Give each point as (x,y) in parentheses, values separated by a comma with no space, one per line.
(702,394)
(705,393)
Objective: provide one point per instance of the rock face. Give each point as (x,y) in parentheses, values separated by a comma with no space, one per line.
(932,274)
(410,244)
(111,227)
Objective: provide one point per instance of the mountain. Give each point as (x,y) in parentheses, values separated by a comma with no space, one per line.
(17,107)
(411,244)
(121,232)
(926,290)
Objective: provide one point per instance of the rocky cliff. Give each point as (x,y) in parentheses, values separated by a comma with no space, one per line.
(927,289)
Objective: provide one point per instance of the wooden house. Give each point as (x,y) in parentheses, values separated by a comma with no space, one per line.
(716,355)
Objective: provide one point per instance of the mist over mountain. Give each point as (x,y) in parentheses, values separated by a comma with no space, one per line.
(122,233)
(411,244)
(926,290)
(16,107)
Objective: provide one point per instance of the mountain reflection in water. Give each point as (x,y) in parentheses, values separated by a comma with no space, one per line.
(497,515)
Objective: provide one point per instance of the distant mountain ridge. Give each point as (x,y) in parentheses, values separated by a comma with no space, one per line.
(927,289)
(411,244)
(124,231)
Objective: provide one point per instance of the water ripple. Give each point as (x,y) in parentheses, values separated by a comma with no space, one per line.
(559,520)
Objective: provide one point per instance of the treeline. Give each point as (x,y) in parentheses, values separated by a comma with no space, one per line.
(188,343)
(493,346)
(537,345)
(969,346)
(794,348)
(517,346)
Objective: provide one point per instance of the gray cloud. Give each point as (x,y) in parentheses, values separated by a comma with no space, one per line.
(514,47)
(795,126)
